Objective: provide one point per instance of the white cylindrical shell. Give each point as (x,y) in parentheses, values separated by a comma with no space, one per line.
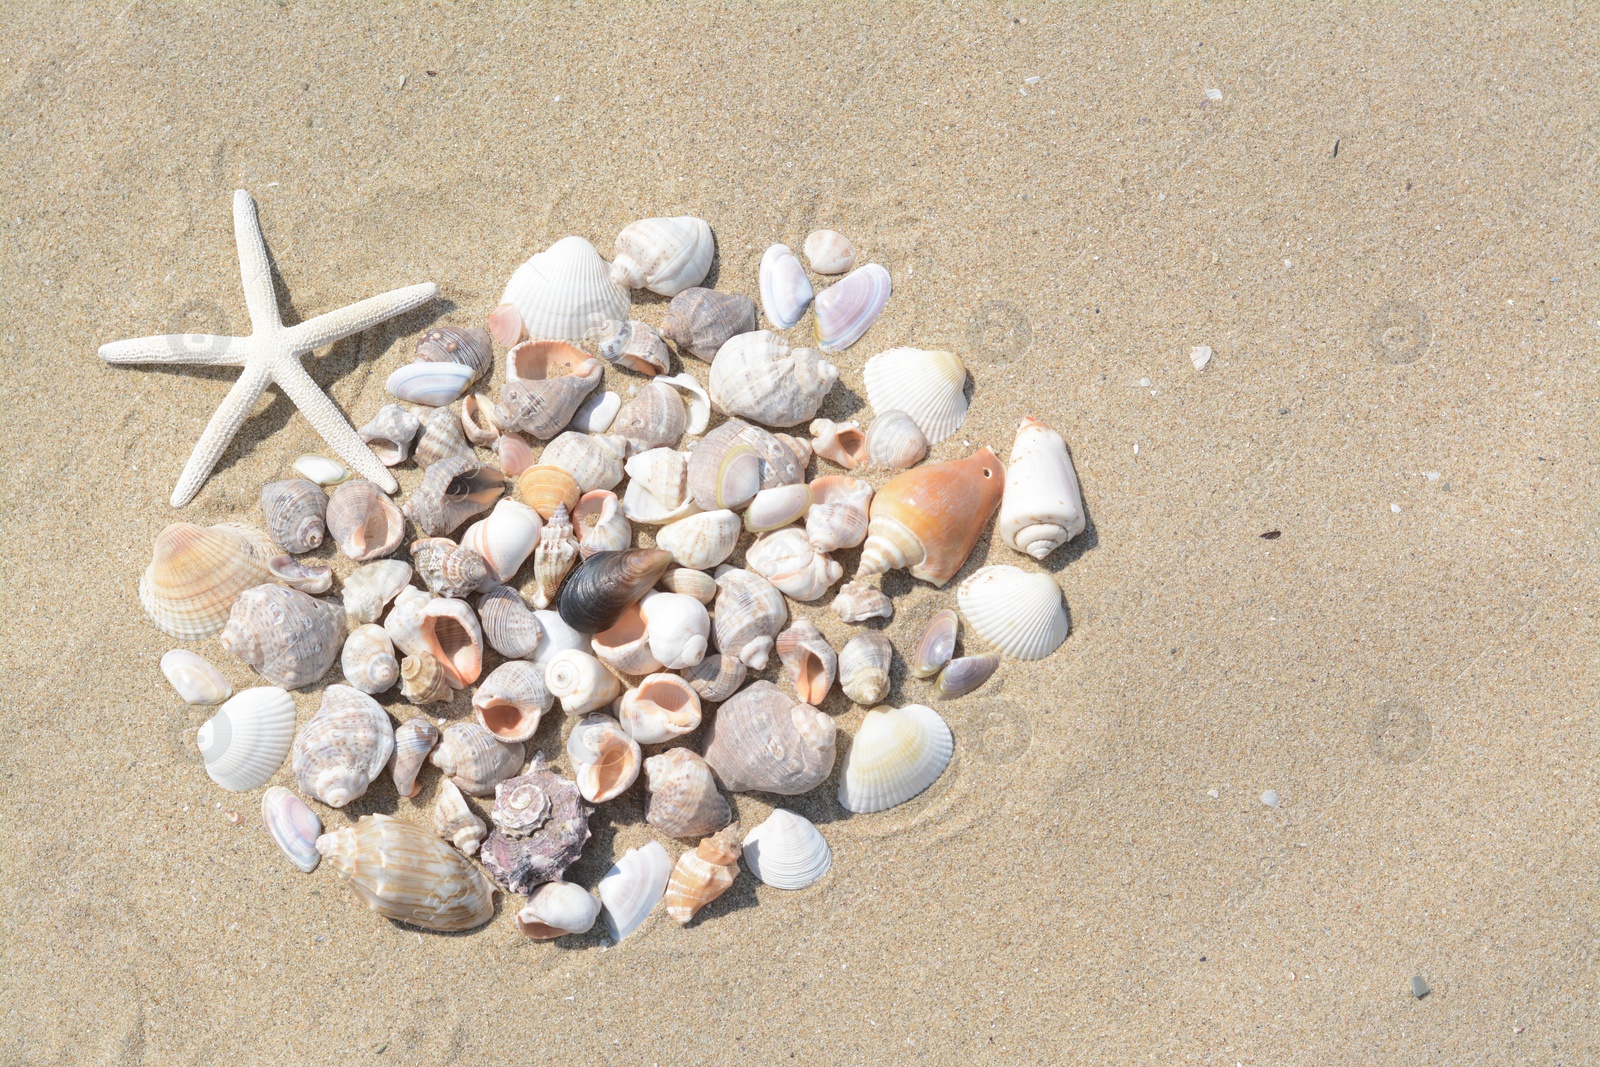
(1042,507)
(896,754)
(244,743)
(929,386)
(679,628)
(631,888)
(505,539)
(1019,613)
(787,851)
(702,541)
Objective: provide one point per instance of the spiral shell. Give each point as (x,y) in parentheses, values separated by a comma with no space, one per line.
(896,754)
(633,344)
(594,460)
(763,740)
(469,346)
(703,875)
(665,255)
(787,851)
(541,824)
(701,541)
(294,508)
(927,386)
(929,519)
(829,251)
(244,743)
(413,740)
(606,760)
(857,602)
(785,289)
(600,524)
(700,321)
(291,639)
(808,661)
(453,491)
(364,521)
(343,748)
(511,701)
(390,434)
(580,682)
(563,292)
(658,490)
(757,376)
(406,874)
(749,613)
(505,539)
(454,821)
(194,679)
(474,759)
(368,659)
(695,399)
(423,681)
(557,551)
(864,667)
(662,707)
(605,584)
(790,562)
(684,801)
(843,443)
(1018,613)
(847,308)
(442,438)
(654,417)
(1042,508)
(895,441)
(838,515)
(542,407)
(446,568)
(197,572)
(737,460)
(716,678)
(293,827)
(510,627)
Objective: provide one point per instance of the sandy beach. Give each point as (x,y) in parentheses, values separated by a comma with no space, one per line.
(1351,561)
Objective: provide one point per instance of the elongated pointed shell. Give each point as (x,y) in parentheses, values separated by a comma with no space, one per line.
(368,659)
(684,801)
(605,759)
(600,524)
(543,407)
(293,509)
(1042,508)
(580,681)
(936,644)
(927,520)
(454,821)
(453,491)
(723,473)
(195,680)
(717,677)
(961,676)
(1018,613)
(896,754)
(654,417)
(594,460)
(553,559)
(344,747)
(790,562)
(701,541)
(662,707)
(510,702)
(430,384)
(556,909)
(197,572)
(442,438)
(469,346)
(857,602)
(292,826)
(864,667)
(369,589)
(927,386)
(504,540)
(563,293)
(700,321)
(757,376)
(244,743)
(808,661)
(509,625)
(390,434)
(786,851)
(474,759)
(291,639)
(763,740)
(895,441)
(448,569)
(829,251)
(406,874)
(631,888)
(785,289)
(749,613)
(847,308)
(541,824)
(843,443)
(413,740)
(603,586)
(704,874)
(665,255)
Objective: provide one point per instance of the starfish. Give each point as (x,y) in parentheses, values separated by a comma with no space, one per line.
(272,353)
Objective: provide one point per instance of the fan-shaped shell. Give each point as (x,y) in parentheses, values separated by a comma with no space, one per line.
(469,346)
(663,706)
(763,740)
(413,740)
(757,376)
(291,639)
(785,289)
(749,613)
(292,826)
(510,627)
(368,659)
(511,701)
(545,488)
(406,874)
(343,748)
(927,386)
(654,417)
(735,461)
(197,572)
(829,251)
(701,541)
(1018,613)
(580,681)
(787,851)
(453,491)
(594,460)
(474,759)
(195,679)
(604,758)
(630,889)
(294,508)
(847,308)
(504,540)
(929,519)
(896,754)
(700,321)
(562,293)
(244,743)
(684,801)
(1042,508)
(864,667)
(666,255)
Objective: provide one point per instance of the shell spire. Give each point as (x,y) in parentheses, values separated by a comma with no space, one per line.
(928,519)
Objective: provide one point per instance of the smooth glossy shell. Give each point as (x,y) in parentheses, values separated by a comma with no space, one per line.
(291,639)
(763,740)
(603,586)
(244,743)
(864,667)
(474,759)
(406,874)
(829,252)
(847,308)
(293,509)
(926,385)
(596,413)
(965,674)
(758,376)
(929,519)
(630,889)
(666,255)
(716,480)
(390,434)
(194,678)
(689,582)
(563,292)
(430,384)
(580,681)
(896,754)
(624,646)
(1042,508)
(749,613)
(556,909)
(700,321)
(936,644)
(778,507)
(606,760)
(513,453)
(684,801)
(1018,613)
(292,826)
(785,289)
(504,540)
(895,441)
(678,627)
(321,469)
(701,541)
(787,851)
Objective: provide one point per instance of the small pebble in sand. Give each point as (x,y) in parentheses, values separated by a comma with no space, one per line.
(233,817)
(1200,355)
(1213,95)
(1395,508)
(1419,987)
(1031,81)
(1213,794)
(1270,798)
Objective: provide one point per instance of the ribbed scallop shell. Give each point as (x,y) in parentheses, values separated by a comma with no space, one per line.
(364,522)
(717,677)
(197,572)
(509,625)
(594,461)
(453,491)
(195,679)
(787,851)
(758,376)
(864,667)
(684,801)
(294,508)
(564,292)
(847,308)
(291,639)
(390,434)
(368,659)
(504,540)
(654,417)
(785,289)
(703,875)
(661,707)
(1019,613)
(666,255)
(701,541)
(1042,508)
(406,874)
(749,613)
(244,743)
(700,321)
(413,740)
(344,747)
(896,754)
(474,759)
(829,251)
(763,740)
(632,887)
(929,386)
(546,487)
(292,826)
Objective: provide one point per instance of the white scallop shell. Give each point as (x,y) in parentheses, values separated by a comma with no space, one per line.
(1042,506)
(665,256)
(596,413)
(1019,613)
(701,541)
(245,742)
(433,384)
(790,562)
(696,399)
(785,289)
(679,627)
(787,851)
(896,754)
(630,889)
(758,376)
(565,291)
(505,539)
(844,310)
(371,586)
(829,251)
(928,386)
(195,679)
(658,487)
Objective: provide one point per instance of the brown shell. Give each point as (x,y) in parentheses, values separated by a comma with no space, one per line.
(446,568)
(542,407)
(364,521)
(521,864)
(453,491)
(469,346)
(763,740)
(940,510)
(406,874)
(442,438)
(704,874)
(699,320)
(294,508)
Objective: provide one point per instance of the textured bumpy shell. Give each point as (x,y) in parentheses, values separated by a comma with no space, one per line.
(442,438)
(422,680)
(788,560)
(757,376)
(654,417)
(1042,508)
(1019,613)
(776,464)
(244,743)
(927,386)
(390,434)
(700,321)
(838,516)
(896,754)
(844,443)
(294,508)
(446,568)
(543,852)
(564,292)
(406,874)
(703,875)
(543,407)
(763,740)
(453,491)
(197,572)
(749,614)
(666,255)
(847,308)
(344,747)
(469,346)
(927,520)
(370,587)
(631,888)
(291,639)
(787,851)
(684,801)
(474,759)
(292,826)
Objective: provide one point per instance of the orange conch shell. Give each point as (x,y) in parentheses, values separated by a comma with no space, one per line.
(928,519)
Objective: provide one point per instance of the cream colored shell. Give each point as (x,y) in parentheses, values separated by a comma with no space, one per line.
(1019,613)
(896,754)
(928,386)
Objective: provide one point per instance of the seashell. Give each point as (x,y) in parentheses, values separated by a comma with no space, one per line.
(404,624)
(653,417)
(696,400)
(558,637)
(847,308)
(454,821)
(634,345)
(430,384)
(557,551)
(843,443)
(364,521)
(197,572)
(864,667)
(896,754)
(928,520)
(596,413)
(291,639)
(779,506)
(689,582)
(535,360)
(343,748)
(593,460)
(313,578)
(453,491)
(703,875)
(665,256)
(451,634)
(474,759)
(600,524)
(371,586)
(442,438)
(512,699)
(606,583)
(678,626)
(928,386)
(195,680)
(895,441)
(625,645)
(785,289)
(477,420)
(857,602)
(413,740)
(700,321)
(800,446)
(504,540)
(763,740)
(787,560)
(684,801)
(701,541)
(368,659)
(838,518)
(556,909)
(244,743)
(936,645)
(757,376)
(580,682)
(722,473)
(630,889)
(509,626)
(829,251)
(541,824)
(561,293)
(404,873)
(293,509)
(716,678)
(961,676)
(808,660)
(663,706)
(1042,508)
(545,488)
(390,434)
(423,681)
(786,851)
(1018,613)
(321,469)
(542,407)
(292,826)
(749,613)
(658,489)
(513,453)
(605,759)
(448,569)
(469,346)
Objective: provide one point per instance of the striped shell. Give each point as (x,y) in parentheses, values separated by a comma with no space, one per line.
(1019,613)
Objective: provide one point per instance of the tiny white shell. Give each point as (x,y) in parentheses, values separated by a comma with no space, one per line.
(701,541)
(787,851)
(896,754)
(245,742)
(829,251)
(432,384)
(195,679)
(1020,613)
(631,888)
(929,386)
(321,469)
(785,289)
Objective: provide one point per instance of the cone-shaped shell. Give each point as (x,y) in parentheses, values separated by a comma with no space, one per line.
(757,376)
(603,586)
(454,821)
(785,289)
(808,660)
(847,308)
(197,572)
(509,625)
(344,747)
(244,743)
(406,874)
(719,478)
(600,524)
(504,540)
(371,586)
(790,562)
(594,460)
(662,707)
(857,602)
(843,443)
(749,613)
(291,639)
(864,667)
(895,441)
(763,740)
(563,293)
(292,826)
(364,521)
(666,255)
(294,508)
(829,251)
(469,346)
(474,759)
(453,491)
(704,874)
(442,438)
(928,386)
(654,417)
(631,888)
(1018,613)
(701,541)
(556,909)
(553,559)
(390,434)
(413,740)
(194,678)
(604,758)
(368,659)
(541,824)
(449,569)
(510,702)
(717,677)
(1042,508)
(896,754)
(700,321)
(927,520)
(684,801)
(542,407)
(580,681)
(786,851)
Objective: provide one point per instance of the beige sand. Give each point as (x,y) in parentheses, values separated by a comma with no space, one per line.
(1410,666)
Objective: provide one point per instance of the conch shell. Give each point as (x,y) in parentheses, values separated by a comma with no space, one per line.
(704,875)
(749,613)
(1042,508)
(448,569)
(453,491)
(406,874)
(864,667)
(843,443)
(390,434)
(290,638)
(294,508)
(684,801)
(422,680)
(757,376)
(594,460)
(700,321)
(928,519)
(542,407)
(763,740)
(665,255)
(344,747)
(600,524)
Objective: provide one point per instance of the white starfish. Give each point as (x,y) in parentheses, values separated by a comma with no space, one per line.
(271,353)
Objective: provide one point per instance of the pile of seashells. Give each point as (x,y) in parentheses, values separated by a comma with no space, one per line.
(634,642)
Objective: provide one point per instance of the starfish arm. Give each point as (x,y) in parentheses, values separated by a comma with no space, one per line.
(326,329)
(328,421)
(235,408)
(203,350)
(259,295)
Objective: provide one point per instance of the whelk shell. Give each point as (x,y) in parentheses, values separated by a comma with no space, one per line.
(422,680)
(838,515)
(829,251)
(790,562)
(763,740)
(701,541)
(757,376)
(864,667)
(467,345)
(961,676)
(844,310)
(557,552)
(509,625)
(808,661)
(364,521)
(556,909)
(700,321)
(843,443)
(291,639)
(442,438)
(927,386)
(857,602)
(430,384)
(631,888)
(563,292)
(451,634)
(195,679)
(786,851)
(678,627)
(594,460)
(292,826)
(1042,508)
(197,572)
(785,289)
(654,417)
(896,754)
(689,582)
(406,874)
(545,488)
(624,646)
(580,681)
(454,821)
(606,760)
(927,520)
(477,420)
(321,469)
(603,586)
(705,874)
(541,824)
(368,659)
(895,441)
(244,743)
(448,569)
(600,524)
(504,540)
(717,677)
(413,740)
(634,345)
(543,407)
(663,706)
(936,645)
(665,255)
(294,508)
(749,613)
(684,801)
(453,491)
(723,473)
(474,759)
(657,487)
(1018,613)
(344,747)
(510,702)
(696,400)
(777,507)
(390,434)
(535,360)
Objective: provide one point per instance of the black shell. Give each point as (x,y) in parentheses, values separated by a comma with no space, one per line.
(596,594)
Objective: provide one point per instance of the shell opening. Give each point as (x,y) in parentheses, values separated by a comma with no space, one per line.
(449,642)
(506,720)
